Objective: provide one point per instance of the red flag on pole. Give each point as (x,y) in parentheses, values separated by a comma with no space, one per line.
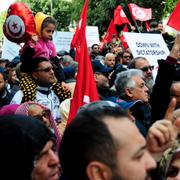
(139,13)
(109,34)
(75,43)
(122,38)
(120,17)
(85,90)
(174,20)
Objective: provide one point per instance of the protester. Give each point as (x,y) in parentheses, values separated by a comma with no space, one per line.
(42,45)
(5,95)
(41,113)
(27,149)
(107,145)
(144,65)
(95,51)
(126,58)
(8,109)
(39,86)
(109,60)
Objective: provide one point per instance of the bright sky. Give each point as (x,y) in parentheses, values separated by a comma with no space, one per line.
(4,4)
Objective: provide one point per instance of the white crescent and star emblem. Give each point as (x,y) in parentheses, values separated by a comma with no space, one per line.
(15,27)
(122,14)
(138,13)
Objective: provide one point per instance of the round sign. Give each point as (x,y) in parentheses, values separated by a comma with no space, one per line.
(15,27)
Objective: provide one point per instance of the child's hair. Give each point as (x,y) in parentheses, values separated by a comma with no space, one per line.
(47,21)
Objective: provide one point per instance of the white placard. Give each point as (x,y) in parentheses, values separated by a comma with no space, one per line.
(92,35)
(62,40)
(9,49)
(150,46)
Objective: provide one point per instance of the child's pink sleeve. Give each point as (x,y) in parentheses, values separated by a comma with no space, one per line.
(52,49)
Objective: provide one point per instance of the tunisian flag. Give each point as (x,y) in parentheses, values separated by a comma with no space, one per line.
(174,20)
(120,17)
(85,90)
(139,13)
(109,34)
(122,38)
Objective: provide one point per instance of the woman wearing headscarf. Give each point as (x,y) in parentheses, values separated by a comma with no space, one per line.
(41,113)
(27,149)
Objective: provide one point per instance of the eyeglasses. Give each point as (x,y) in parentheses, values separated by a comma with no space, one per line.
(127,57)
(145,69)
(45,114)
(48,69)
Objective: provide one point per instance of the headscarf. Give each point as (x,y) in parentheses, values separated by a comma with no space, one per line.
(8,109)
(23,110)
(167,158)
(22,138)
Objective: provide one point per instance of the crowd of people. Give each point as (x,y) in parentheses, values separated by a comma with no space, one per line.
(131,133)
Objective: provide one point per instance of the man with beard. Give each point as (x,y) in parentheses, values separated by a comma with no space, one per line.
(144,65)
(107,145)
(5,95)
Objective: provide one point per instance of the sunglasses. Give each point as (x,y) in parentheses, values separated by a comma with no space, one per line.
(45,114)
(127,57)
(48,69)
(145,69)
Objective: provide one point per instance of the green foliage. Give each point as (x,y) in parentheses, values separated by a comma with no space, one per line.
(59,9)
(169,6)
(101,11)
(2,19)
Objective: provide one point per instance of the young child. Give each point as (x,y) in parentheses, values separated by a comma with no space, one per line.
(42,45)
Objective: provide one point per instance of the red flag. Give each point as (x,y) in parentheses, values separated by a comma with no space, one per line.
(109,34)
(85,90)
(139,13)
(175,17)
(122,38)
(120,16)
(81,25)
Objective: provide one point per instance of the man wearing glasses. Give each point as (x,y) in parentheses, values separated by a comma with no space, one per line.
(94,51)
(39,88)
(126,58)
(144,65)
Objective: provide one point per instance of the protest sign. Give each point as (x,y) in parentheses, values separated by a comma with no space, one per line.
(62,40)
(9,49)
(92,35)
(150,46)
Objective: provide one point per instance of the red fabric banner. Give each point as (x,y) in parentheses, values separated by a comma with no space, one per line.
(174,20)
(85,90)
(109,34)
(120,17)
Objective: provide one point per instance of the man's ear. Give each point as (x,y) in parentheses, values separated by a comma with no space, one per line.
(34,75)
(128,92)
(95,77)
(98,171)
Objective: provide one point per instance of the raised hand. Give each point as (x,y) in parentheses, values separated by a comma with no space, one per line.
(163,132)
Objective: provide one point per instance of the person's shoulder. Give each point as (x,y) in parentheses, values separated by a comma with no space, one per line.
(17,98)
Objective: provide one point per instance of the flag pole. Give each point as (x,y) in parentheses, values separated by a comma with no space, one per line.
(137,26)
